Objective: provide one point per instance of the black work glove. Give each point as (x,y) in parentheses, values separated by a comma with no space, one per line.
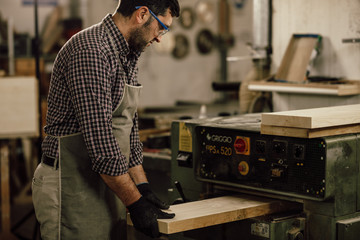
(144,216)
(145,191)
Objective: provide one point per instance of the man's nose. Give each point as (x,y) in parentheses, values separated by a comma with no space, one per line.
(158,39)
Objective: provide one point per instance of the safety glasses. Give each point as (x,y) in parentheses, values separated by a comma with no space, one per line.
(165,28)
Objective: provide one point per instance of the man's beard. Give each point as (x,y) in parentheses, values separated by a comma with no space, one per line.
(137,41)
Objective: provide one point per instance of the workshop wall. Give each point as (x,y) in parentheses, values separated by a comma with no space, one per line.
(186,75)
(23,15)
(166,78)
(334,20)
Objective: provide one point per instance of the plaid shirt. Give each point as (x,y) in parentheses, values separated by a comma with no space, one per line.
(86,86)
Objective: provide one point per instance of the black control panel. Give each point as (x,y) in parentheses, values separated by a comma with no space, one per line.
(248,159)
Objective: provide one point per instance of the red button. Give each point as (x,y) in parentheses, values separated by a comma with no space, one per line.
(240,145)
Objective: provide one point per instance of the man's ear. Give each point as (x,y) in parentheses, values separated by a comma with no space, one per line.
(141,15)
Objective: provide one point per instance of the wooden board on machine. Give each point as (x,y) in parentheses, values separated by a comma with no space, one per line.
(210,212)
(309,133)
(311,123)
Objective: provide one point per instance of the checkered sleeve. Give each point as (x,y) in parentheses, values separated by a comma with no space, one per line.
(136,157)
(88,81)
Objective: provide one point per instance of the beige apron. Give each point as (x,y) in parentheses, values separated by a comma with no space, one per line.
(89,209)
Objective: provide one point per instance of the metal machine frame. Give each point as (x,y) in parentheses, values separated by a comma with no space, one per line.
(331,216)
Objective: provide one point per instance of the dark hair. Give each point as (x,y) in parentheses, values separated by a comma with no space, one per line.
(159,7)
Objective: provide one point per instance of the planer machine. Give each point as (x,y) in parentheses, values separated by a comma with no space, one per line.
(228,155)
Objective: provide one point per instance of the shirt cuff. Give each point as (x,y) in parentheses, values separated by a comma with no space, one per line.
(110,166)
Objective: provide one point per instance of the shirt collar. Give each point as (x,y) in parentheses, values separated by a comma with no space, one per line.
(121,44)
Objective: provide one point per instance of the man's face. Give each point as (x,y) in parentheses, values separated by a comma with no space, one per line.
(150,31)
(137,39)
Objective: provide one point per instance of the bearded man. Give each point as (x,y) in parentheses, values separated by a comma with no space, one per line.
(91,167)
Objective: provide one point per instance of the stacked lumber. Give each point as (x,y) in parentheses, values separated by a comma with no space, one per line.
(312,123)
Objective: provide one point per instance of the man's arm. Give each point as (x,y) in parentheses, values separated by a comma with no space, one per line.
(143,214)
(138,175)
(136,146)
(123,186)
(88,80)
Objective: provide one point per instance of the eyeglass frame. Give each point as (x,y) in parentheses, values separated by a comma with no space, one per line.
(166,29)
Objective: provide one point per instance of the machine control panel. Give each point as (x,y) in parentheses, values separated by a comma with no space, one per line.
(248,159)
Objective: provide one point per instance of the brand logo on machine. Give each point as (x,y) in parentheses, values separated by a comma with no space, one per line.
(219,138)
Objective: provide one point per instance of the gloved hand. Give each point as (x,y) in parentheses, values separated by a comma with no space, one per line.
(145,191)
(144,216)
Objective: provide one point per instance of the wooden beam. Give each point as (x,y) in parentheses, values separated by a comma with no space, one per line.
(315,117)
(209,212)
(344,88)
(309,133)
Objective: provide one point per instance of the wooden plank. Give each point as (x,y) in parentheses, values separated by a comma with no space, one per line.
(209,212)
(309,133)
(19,107)
(296,59)
(315,117)
(347,87)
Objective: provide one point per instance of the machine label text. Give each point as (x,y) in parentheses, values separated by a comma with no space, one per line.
(219,138)
(225,151)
